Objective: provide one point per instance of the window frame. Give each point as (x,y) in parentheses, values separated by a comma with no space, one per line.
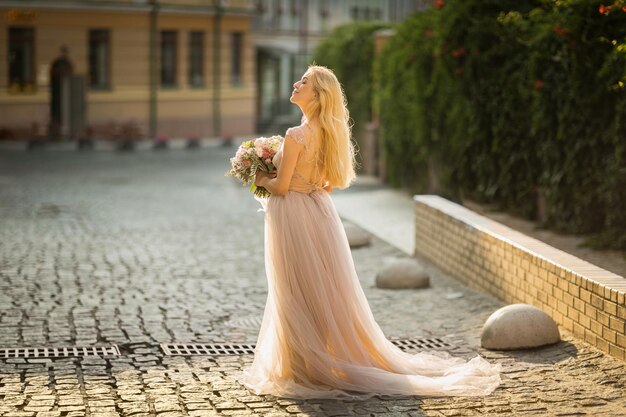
(168,37)
(22,86)
(236,61)
(107,86)
(201,45)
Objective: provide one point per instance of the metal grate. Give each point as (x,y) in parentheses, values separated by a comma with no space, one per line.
(235,349)
(212,349)
(422,344)
(59,352)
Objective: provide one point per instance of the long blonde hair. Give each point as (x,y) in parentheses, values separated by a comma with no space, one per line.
(336,154)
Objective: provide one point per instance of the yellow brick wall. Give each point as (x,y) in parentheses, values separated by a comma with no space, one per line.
(181,111)
(590,304)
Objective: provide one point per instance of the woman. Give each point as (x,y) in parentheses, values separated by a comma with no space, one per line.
(318,338)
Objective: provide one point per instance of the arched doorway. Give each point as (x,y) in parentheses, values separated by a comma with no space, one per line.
(60,76)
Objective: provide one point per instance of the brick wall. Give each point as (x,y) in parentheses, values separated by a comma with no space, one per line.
(582,298)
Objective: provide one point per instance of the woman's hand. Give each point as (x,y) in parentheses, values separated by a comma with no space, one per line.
(261,176)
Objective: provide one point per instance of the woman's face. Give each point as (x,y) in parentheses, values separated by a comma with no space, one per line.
(303,91)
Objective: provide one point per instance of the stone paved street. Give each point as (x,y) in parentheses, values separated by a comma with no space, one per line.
(143,248)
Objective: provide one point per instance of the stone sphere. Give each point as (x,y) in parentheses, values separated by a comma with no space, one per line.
(402,273)
(519,326)
(357,237)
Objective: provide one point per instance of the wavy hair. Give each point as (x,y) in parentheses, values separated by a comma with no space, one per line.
(336,156)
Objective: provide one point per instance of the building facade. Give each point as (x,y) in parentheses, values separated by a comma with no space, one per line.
(286,33)
(174,68)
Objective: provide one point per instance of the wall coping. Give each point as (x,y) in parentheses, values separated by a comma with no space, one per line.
(547,253)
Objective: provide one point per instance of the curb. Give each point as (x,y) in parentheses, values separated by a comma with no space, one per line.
(108,145)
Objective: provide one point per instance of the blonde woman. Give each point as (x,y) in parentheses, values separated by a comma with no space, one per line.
(318,338)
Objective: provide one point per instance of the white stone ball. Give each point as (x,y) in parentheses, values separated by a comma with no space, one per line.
(519,326)
(357,237)
(402,273)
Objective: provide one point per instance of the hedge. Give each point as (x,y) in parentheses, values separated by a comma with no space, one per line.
(516,103)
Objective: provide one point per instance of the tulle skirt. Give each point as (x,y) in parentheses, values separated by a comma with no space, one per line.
(318,337)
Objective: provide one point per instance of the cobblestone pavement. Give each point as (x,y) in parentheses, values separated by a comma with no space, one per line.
(143,248)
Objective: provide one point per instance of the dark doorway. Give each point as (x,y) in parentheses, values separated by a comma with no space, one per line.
(60,87)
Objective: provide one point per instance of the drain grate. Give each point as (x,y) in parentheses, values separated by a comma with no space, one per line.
(422,344)
(59,352)
(212,349)
(235,349)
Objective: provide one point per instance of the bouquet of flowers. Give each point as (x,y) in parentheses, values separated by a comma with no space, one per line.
(254,155)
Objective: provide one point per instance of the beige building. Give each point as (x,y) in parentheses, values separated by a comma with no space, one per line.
(174,68)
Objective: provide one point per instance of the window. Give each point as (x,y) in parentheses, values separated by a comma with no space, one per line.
(324,15)
(196,59)
(366,13)
(265,10)
(293,12)
(237,49)
(21,60)
(99,58)
(277,11)
(168,58)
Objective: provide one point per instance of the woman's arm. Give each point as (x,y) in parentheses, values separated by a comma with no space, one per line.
(280,184)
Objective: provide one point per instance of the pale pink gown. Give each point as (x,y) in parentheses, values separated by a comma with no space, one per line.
(318,337)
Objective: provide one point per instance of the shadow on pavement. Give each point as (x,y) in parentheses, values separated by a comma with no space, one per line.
(550,354)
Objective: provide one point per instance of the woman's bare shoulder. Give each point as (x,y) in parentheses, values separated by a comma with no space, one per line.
(298,133)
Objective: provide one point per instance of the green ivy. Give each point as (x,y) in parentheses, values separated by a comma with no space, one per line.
(512,102)
(404,71)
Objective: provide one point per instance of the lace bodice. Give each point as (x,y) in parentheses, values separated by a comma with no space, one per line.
(306,177)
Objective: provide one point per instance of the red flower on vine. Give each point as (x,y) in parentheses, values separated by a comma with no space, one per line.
(559,30)
(539,84)
(438,4)
(604,9)
(459,52)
